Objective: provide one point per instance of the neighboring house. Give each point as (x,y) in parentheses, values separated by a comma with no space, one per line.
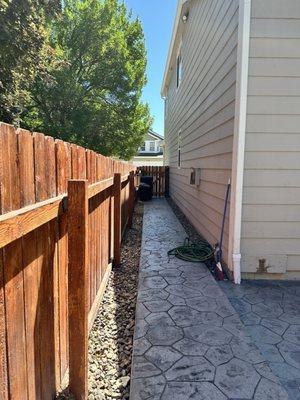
(232,110)
(152,151)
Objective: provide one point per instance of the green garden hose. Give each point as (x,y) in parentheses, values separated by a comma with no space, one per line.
(199,251)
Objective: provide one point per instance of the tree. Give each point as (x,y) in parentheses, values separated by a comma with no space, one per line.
(24,52)
(94,95)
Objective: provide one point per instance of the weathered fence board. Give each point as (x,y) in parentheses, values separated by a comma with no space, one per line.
(79,260)
(31,277)
(3,357)
(117,219)
(63,174)
(34,252)
(13,274)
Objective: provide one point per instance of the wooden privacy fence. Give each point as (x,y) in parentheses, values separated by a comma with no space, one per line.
(63,210)
(160,179)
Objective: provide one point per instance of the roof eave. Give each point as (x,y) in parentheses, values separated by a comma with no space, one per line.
(172,45)
(155,135)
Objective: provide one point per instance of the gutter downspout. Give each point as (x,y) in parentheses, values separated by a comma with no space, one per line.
(235,219)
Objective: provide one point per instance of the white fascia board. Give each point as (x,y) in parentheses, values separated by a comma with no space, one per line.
(172,47)
(155,135)
(238,156)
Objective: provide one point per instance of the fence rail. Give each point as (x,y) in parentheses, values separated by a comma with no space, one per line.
(160,179)
(62,211)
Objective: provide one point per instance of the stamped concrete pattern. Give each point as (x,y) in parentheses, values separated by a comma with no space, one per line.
(270,312)
(190,342)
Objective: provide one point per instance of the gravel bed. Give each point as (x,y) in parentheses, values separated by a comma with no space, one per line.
(111,338)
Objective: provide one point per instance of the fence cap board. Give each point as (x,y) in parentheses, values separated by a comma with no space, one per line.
(98,187)
(124,178)
(16,224)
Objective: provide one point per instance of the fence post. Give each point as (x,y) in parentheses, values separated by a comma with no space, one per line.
(78,286)
(117,219)
(167,181)
(131,198)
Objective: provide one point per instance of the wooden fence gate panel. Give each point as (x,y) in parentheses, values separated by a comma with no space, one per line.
(160,179)
(34,320)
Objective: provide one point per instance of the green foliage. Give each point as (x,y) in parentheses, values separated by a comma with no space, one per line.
(75,73)
(24,52)
(94,95)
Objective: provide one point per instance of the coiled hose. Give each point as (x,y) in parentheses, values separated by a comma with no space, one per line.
(199,251)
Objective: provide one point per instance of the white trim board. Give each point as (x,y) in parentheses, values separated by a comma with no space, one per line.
(238,154)
(155,135)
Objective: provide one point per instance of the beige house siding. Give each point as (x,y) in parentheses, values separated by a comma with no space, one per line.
(202,108)
(271,195)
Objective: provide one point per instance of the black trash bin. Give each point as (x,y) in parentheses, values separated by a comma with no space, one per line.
(149,181)
(146,188)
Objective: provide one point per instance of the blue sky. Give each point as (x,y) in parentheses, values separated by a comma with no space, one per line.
(157,17)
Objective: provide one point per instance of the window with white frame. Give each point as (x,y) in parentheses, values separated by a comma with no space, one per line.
(143,148)
(152,146)
(179,150)
(179,68)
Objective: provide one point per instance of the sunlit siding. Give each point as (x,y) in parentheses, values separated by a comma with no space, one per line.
(271,209)
(203,109)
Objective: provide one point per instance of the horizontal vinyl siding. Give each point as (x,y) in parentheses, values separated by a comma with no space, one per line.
(271,197)
(202,108)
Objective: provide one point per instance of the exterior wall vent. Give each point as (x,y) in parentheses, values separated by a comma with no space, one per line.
(195,177)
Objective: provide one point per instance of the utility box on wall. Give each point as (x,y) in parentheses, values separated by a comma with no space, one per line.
(195,177)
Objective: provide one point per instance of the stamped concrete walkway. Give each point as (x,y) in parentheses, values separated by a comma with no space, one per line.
(189,341)
(270,311)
